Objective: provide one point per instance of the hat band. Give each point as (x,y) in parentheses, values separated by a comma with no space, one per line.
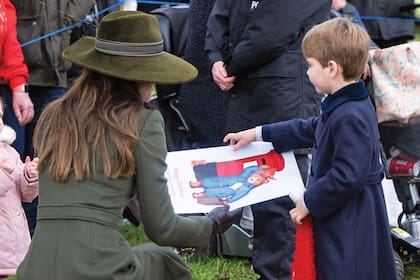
(128,49)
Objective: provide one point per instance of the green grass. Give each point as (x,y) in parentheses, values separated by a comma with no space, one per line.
(202,266)
(205,267)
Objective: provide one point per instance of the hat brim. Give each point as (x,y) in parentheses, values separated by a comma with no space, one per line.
(163,68)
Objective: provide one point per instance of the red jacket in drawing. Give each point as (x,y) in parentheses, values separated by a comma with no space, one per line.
(235,167)
(272,158)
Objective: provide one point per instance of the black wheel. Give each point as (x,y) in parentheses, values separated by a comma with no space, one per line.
(399,266)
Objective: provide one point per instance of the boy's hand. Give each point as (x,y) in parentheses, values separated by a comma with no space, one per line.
(31,167)
(299,212)
(241,138)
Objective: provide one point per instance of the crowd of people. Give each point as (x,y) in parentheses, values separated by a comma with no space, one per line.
(292,74)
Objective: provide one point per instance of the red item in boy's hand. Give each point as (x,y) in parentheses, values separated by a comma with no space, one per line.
(303,266)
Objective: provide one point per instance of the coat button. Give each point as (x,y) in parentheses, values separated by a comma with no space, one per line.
(18,213)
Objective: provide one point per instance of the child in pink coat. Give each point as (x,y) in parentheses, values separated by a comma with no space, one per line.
(18,182)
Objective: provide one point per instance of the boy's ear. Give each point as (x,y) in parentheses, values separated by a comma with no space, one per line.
(333,68)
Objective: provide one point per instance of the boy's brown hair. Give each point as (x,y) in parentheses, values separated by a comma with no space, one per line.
(339,40)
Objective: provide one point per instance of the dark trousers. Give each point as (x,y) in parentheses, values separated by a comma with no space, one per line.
(273,239)
(274,233)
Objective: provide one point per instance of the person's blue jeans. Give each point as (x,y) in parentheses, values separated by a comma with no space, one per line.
(40,97)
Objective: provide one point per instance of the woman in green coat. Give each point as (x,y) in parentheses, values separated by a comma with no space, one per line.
(98,146)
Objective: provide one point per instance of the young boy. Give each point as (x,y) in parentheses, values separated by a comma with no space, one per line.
(344,194)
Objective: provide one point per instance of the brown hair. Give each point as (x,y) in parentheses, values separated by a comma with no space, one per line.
(340,40)
(94,124)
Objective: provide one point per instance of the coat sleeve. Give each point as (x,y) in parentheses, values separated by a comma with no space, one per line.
(291,135)
(161,224)
(28,187)
(217,36)
(350,167)
(13,70)
(274,27)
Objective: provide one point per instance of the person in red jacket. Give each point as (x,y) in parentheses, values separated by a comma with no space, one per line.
(19,109)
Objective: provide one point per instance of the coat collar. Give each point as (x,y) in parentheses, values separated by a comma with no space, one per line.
(352,92)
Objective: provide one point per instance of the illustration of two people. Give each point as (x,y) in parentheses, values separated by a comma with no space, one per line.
(227,189)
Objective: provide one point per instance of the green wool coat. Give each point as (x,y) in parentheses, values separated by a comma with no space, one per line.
(77,234)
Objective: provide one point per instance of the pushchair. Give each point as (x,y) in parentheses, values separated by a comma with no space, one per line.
(401,157)
(394,88)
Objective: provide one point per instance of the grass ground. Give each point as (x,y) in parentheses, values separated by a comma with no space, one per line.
(204,267)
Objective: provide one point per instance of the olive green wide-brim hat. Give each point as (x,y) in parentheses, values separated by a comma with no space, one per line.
(128,45)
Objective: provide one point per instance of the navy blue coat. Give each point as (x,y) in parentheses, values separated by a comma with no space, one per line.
(344,193)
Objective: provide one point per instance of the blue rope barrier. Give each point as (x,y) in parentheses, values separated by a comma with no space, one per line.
(389,18)
(162,3)
(86,19)
(153,2)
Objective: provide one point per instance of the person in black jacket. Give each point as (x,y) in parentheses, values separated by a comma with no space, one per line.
(254,52)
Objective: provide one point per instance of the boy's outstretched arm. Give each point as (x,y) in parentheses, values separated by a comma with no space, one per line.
(240,139)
